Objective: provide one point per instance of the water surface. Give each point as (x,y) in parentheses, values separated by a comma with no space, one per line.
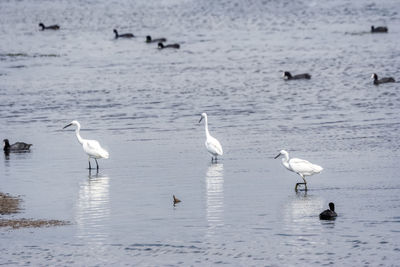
(143,105)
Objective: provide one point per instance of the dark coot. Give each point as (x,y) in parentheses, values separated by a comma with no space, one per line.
(379,29)
(288,76)
(328,214)
(383,80)
(51,27)
(162,46)
(17,147)
(158,40)
(125,35)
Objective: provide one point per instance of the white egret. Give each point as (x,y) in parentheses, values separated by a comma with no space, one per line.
(300,166)
(213,146)
(91,147)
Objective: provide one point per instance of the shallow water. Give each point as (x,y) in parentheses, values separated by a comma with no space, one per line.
(143,105)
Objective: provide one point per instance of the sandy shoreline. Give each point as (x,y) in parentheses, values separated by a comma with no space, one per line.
(11,205)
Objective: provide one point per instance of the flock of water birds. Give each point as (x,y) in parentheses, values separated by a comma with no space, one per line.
(93,150)
(287,75)
(160,41)
(302,167)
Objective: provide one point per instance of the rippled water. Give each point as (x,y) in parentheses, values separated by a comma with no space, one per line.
(143,105)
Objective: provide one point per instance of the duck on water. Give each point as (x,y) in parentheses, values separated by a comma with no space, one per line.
(51,27)
(378,81)
(124,35)
(16,147)
(329,214)
(158,40)
(162,46)
(288,76)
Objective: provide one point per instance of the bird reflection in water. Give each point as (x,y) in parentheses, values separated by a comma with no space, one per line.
(215,196)
(15,156)
(93,208)
(6,155)
(301,211)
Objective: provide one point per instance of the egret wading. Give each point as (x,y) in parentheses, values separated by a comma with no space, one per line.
(91,147)
(213,146)
(300,166)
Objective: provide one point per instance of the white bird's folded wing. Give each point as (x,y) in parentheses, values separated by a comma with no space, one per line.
(93,148)
(214,146)
(304,167)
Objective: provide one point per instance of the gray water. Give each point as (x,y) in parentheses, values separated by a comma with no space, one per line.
(143,105)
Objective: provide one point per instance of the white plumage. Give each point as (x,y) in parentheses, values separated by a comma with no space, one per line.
(300,166)
(91,147)
(213,146)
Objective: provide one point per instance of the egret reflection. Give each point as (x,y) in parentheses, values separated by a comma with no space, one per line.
(215,195)
(302,210)
(93,208)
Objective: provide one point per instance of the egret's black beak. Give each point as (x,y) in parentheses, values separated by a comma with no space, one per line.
(200,119)
(277,156)
(67,125)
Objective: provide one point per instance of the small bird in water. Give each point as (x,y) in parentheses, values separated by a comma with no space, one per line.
(162,46)
(125,35)
(288,76)
(328,214)
(379,29)
(176,201)
(51,27)
(91,147)
(300,166)
(213,146)
(17,147)
(383,80)
(158,40)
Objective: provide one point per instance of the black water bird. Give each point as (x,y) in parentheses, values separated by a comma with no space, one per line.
(51,27)
(379,29)
(328,214)
(17,147)
(158,40)
(383,80)
(176,200)
(125,35)
(162,46)
(288,76)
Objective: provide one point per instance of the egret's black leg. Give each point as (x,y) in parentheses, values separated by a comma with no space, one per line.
(305,183)
(295,188)
(97,164)
(90,167)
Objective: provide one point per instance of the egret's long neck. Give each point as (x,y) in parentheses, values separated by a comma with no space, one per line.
(78,136)
(285,161)
(206,126)
(285,158)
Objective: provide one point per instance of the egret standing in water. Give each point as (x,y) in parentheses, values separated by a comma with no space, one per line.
(91,147)
(213,146)
(300,166)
